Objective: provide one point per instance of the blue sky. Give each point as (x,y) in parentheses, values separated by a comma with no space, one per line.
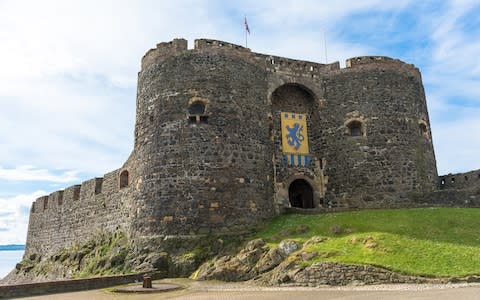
(68,73)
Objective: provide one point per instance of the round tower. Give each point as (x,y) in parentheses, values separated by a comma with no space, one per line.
(201,143)
(378,140)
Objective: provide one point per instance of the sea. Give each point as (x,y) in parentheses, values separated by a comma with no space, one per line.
(8,260)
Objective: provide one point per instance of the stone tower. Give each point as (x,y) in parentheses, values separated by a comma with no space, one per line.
(201,142)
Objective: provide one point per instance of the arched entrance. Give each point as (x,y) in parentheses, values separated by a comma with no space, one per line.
(300,194)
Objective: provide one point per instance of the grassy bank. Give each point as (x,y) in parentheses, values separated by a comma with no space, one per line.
(431,242)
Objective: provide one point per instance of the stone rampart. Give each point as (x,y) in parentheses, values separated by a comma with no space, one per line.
(77,213)
(456,181)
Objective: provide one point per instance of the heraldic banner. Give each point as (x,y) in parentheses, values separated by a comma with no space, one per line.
(294,133)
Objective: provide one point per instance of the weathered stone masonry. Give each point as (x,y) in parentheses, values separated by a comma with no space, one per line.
(208,153)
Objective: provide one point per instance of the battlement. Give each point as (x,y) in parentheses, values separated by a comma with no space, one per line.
(277,64)
(202,44)
(164,49)
(381,62)
(269,62)
(460,180)
(363,60)
(71,215)
(87,191)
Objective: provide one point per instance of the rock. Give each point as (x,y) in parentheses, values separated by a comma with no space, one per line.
(160,261)
(276,255)
(315,240)
(281,274)
(34,257)
(254,244)
(287,247)
(270,260)
(18,266)
(369,242)
(182,266)
(145,267)
(473,278)
(306,256)
(240,267)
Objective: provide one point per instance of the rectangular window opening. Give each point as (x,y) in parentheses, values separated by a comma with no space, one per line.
(60,198)
(76,194)
(98,185)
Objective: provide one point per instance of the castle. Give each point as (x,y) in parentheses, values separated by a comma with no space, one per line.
(226,139)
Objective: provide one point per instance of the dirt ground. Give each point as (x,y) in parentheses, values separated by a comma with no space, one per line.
(195,290)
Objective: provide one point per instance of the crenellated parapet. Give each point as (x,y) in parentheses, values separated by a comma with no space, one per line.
(67,216)
(271,63)
(465,180)
(382,63)
(164,50)
(275,63)
(209,44)
(81,193)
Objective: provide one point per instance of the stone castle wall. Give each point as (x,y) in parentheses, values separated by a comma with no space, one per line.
(208,156)
(465,180)
(77,213)
(456,190)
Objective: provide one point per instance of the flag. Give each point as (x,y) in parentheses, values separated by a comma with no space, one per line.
(247,29)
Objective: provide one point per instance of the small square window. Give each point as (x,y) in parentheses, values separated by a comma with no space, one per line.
(355,128)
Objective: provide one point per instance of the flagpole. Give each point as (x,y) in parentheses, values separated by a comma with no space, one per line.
(246,29)
(246,43)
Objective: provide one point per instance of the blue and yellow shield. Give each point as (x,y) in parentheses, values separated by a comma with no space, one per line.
(295,139)
(294,133)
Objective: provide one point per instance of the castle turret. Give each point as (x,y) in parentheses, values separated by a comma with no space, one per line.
(377,134)
(201,143)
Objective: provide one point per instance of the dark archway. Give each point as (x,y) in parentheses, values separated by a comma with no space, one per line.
(300,194)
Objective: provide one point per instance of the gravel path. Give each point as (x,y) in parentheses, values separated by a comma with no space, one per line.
(233,291)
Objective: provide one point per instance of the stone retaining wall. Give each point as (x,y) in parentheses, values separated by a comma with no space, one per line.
(64,286)
(330,273)
(341,274)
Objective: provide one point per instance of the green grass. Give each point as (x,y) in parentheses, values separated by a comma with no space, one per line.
(430,242)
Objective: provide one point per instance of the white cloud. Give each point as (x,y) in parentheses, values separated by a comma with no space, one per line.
(69,74)
(14,213)
(295,13)
(451,77)
(30,173)
(449,138)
